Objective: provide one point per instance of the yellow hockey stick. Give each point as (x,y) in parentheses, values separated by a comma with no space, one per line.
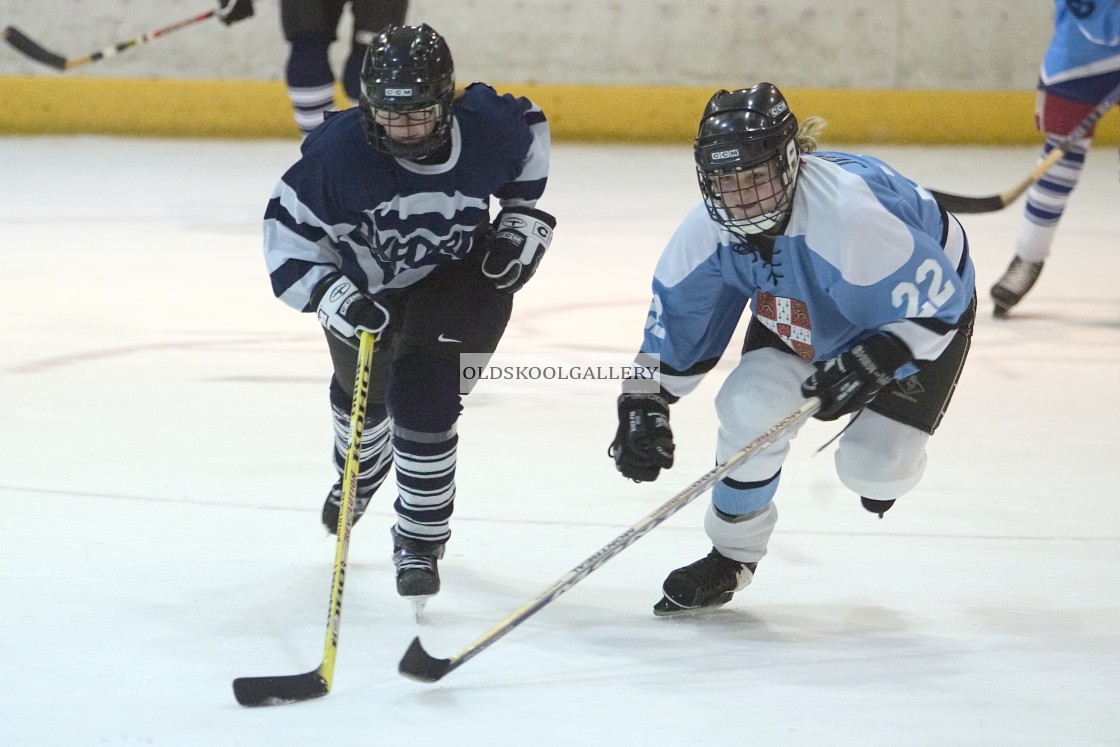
(294,688)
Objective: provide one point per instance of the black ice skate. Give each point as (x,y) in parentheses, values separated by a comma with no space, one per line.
(333,504)
(876,507)
(706,584)
(417,569)
(1019,278)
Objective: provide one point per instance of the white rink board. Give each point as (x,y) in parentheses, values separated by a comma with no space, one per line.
(907,44)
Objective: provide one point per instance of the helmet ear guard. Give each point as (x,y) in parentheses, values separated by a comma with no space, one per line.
(747,160)
(407,69)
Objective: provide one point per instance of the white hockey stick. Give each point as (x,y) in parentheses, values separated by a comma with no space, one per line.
(418,664)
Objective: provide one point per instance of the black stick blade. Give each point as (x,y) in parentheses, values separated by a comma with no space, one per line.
(961,204)
(20,41)
(419,665)
(254,692)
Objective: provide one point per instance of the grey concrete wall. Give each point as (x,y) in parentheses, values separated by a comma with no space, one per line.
(953,44)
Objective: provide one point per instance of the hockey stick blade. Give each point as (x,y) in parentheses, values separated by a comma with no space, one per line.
(20,41)
(962,204)
(417,664)
(254,692)
(992,203)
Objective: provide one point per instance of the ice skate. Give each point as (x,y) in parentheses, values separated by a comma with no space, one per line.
(706,584)
(876,507)
(333,504)
(417,567)
(1019,278)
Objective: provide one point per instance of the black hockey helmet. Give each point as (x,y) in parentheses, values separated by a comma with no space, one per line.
(407,70)
(747,159)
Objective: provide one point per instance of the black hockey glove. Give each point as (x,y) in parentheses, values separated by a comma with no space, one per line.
(851,380)
(643,444)
(344,311)
(520,239)
(232,11)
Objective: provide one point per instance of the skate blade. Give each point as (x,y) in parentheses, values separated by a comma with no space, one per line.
(419,602)
(668,608)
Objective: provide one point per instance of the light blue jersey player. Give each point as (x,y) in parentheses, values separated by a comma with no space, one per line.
(383,225)
(1085,45)
(1080,70)
(861,293)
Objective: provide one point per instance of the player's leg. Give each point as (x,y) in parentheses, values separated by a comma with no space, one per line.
(309,26)
(455,311)
(882,454)
(763,388)
(370,17)
(1047,198)
(375,452)
(880,459)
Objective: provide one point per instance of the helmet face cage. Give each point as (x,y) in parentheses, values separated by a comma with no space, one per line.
(747,160)
(408,80)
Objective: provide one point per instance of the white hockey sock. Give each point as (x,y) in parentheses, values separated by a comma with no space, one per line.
(1047,200)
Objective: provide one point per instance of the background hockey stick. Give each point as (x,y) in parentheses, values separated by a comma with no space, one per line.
(35,51)
(961,204)
(419,665)
(294,688)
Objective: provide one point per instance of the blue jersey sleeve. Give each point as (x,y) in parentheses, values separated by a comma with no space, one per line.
(694,311)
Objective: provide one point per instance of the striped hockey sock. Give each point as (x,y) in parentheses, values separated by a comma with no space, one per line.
(1047,200)
(310,82)
(375,456)
(425,465)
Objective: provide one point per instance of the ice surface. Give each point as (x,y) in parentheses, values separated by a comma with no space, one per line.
(165,449)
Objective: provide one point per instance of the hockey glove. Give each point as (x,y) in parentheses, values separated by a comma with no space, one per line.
(520,239)
(643,444)
(232,11)
(851,380)
(344,311)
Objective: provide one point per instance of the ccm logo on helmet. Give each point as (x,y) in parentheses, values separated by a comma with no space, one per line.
(778,108)
(398,91)
(723,155)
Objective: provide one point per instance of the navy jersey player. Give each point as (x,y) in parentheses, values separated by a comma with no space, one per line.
(383,225)
(310,27)
(861,293)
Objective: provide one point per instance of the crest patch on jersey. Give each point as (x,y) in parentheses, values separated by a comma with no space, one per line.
(788,318)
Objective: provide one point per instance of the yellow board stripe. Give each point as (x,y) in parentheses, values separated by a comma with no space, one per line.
(638,114)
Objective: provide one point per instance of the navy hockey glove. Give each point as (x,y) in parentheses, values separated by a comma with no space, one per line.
(851,380)
(521,236)
(643,444)
(344,311)
(232,11)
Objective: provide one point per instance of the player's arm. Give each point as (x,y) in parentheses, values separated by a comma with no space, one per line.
(691,319)
(522,233)
(300,244)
